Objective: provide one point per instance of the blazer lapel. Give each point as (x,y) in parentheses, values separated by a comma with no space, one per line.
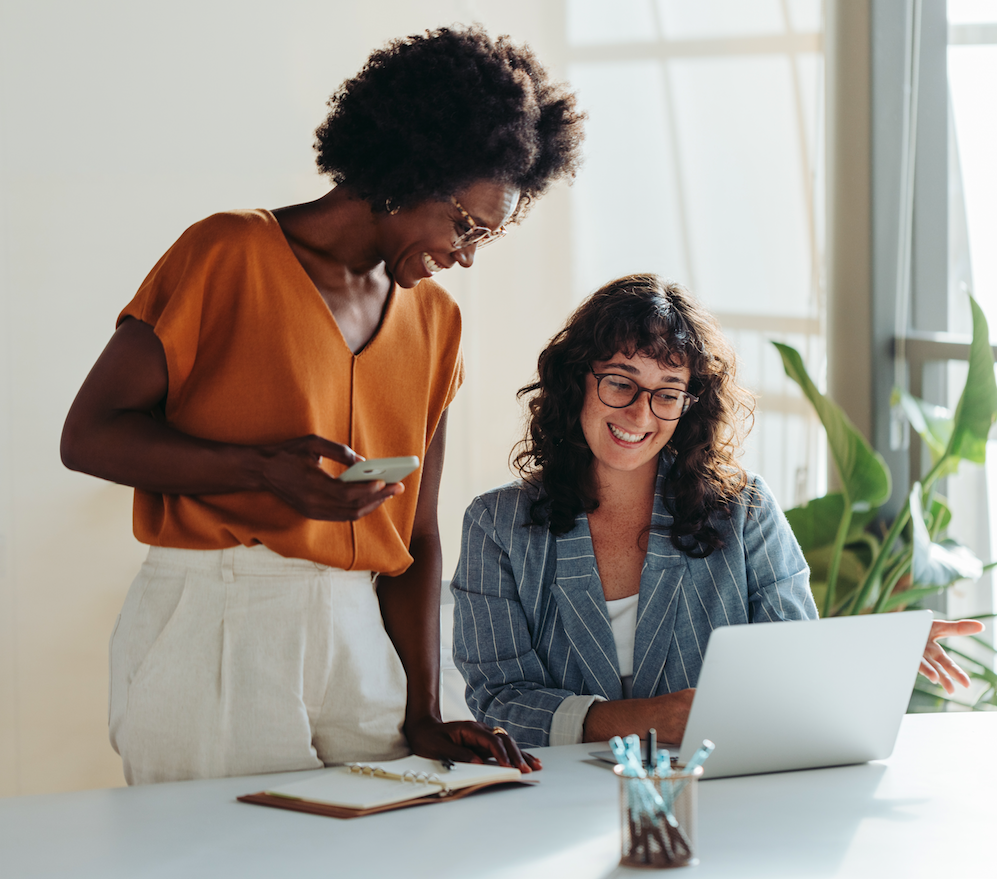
(582,606)
(661,584)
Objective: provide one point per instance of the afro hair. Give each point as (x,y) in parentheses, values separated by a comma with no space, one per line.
(433,113)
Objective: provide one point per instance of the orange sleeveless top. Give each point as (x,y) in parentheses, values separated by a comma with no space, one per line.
(255,356)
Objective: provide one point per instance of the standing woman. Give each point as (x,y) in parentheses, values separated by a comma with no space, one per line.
(284,619)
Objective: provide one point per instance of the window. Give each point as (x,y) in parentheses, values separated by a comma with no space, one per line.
(704,165)
(972,70)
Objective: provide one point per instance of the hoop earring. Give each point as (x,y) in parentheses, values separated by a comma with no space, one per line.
(389,209)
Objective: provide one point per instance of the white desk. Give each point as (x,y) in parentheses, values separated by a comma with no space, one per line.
(930,810)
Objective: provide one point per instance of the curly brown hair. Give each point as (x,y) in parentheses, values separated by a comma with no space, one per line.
(661,320)
(433,113)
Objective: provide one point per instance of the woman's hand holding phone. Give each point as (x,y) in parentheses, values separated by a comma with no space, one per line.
(292,470)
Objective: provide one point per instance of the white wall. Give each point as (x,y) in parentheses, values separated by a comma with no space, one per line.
(123,122)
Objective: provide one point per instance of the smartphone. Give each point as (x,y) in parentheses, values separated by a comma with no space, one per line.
(388,469)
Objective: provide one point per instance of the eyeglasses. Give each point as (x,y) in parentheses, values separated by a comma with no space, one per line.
(618,392)
(475,234)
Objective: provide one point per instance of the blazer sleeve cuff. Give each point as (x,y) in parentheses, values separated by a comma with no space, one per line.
(568,723)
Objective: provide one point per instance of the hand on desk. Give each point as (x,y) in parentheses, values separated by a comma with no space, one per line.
(936,665)
(467,741)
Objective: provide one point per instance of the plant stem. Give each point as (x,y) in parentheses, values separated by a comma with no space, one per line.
(876,569)
(839,547)
(940,465)
(891,581)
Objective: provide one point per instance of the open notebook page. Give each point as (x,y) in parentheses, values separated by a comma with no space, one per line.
(339,786)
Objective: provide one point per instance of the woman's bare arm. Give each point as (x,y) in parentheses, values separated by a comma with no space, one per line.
(667,714)
(113,431)
(410,607)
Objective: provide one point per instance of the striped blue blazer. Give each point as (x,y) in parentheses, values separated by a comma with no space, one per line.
(531,625)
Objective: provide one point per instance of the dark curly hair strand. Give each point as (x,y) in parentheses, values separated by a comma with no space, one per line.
(433,113)
(639,314)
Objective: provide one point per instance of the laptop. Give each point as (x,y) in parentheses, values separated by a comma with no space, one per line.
(805,694)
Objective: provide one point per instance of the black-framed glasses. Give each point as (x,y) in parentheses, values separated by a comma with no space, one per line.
(618,392)
(475,234)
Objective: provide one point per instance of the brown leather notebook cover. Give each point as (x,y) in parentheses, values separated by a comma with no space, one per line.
(330,811)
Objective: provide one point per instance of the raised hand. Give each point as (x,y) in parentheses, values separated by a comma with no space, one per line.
(936,665)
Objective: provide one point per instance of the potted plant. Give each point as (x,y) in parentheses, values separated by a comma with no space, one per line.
(862,563)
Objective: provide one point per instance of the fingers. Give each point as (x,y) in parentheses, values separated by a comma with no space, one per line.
(532,761)
(379,493)
(293,472)
(496,744)
(469,742)
(948,670)
(937,676)
(320,496)
(936,665)
(945,681)
(952,628)
(515,756)
(320,447)
(944,670)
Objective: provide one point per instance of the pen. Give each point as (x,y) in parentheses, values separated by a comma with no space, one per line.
(699,758)
(652,749)
(447,763)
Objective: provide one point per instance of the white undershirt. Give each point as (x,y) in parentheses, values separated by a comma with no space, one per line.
(623,620)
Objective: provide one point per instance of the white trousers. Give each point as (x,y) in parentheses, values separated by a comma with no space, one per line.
(240,661)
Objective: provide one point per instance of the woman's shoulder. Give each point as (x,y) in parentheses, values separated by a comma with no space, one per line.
(511,492)
(755,502)
(508,503)
(218,243)
(754,482)
(756,490)
(233,224)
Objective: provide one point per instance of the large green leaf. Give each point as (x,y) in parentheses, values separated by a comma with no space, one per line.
(815,523)
(934,424)
(865,479)
(851,572)
(937,564)
(941,515)
(977,407)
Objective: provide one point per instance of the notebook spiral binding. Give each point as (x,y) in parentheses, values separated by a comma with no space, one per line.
(407,776)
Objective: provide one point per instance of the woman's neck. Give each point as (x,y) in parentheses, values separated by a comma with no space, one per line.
(616,489)
(337,229)
(333,239)
(626,502)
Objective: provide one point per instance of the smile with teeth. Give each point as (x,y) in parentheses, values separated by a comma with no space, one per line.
(431,264)
(626,437)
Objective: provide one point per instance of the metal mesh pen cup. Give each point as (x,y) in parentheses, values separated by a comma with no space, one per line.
(659,832)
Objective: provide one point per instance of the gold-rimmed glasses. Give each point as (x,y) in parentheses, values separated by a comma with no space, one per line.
(475,233)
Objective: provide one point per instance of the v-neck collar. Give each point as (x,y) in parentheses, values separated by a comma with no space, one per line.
(319,301)
(578,591)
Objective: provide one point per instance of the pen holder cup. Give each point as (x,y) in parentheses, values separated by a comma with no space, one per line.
(659,831)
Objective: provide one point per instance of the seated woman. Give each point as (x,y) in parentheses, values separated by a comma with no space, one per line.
(586,592)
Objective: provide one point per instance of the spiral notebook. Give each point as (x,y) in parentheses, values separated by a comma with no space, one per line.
(366,788)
